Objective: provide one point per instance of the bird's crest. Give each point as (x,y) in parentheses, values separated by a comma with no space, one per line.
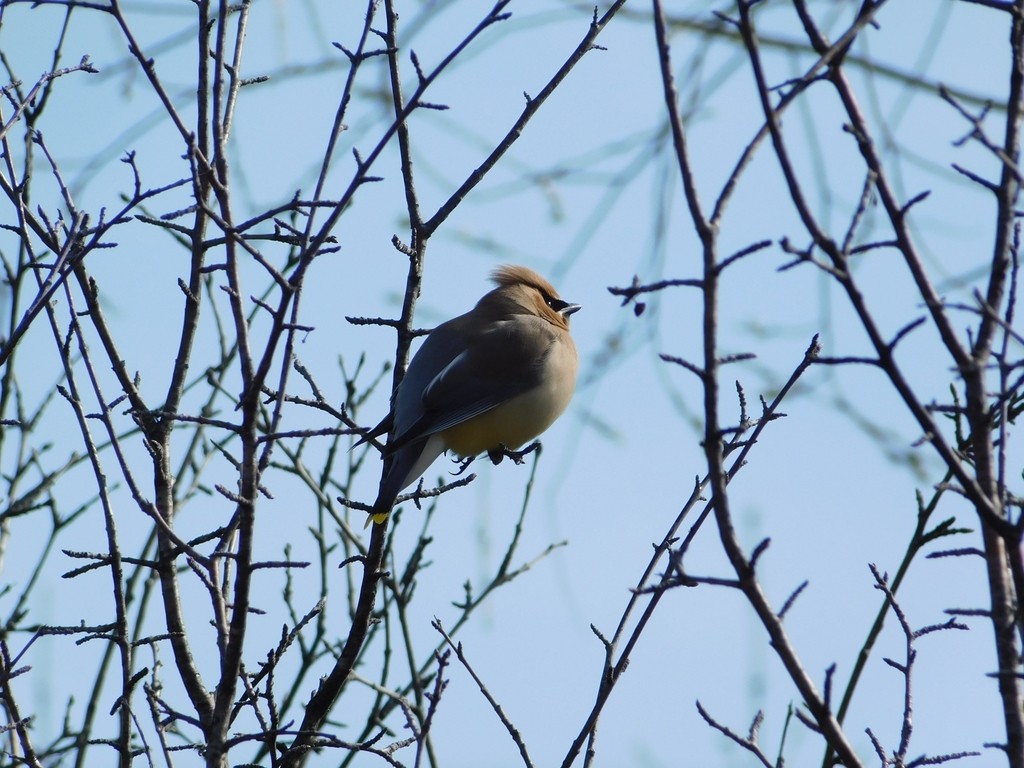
(511,274)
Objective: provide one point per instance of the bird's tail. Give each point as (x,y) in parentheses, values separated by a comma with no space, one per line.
(389,489)
(378,516)
(402,466)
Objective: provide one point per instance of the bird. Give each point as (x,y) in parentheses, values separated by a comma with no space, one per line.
(489,380)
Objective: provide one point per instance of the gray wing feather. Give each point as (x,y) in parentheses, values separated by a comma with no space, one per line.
(458,391)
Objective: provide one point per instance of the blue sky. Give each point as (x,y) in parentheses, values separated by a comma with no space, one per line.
(589,196)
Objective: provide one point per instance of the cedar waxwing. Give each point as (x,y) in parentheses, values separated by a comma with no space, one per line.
(495,377)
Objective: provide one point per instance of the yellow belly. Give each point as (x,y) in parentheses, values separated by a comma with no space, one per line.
(511,424)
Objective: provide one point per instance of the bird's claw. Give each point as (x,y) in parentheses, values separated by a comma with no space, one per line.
(463,465)
(499,453)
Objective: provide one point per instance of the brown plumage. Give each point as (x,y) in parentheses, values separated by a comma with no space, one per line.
(494,377)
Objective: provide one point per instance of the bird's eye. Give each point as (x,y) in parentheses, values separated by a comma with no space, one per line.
(556,304)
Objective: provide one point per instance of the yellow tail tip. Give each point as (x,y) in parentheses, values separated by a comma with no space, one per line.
(379,518)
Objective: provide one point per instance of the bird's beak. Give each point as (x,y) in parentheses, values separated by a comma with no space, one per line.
(568,309)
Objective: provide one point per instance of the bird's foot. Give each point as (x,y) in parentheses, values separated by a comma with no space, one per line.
(463,464)
(499,453)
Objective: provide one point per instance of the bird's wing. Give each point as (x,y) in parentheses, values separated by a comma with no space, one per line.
(444,344)
(477,380)
(439,348)
(377,431)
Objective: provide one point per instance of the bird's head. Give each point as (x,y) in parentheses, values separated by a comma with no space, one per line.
(521,290)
